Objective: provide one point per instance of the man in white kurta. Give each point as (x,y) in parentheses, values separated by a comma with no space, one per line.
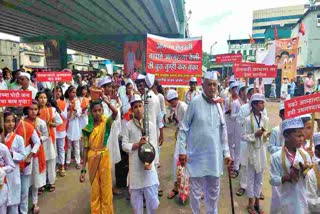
(192,92)
(142,183)
(286,173)
(234,145)
(155,114)
(203,145)
(24,81)
(180,108)
(6,167)
(313,179)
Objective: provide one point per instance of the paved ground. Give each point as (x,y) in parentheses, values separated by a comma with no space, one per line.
(73,197)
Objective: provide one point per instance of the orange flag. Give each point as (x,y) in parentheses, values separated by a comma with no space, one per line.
(302,30)
(251,39)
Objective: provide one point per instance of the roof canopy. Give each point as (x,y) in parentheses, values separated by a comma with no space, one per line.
(97,27)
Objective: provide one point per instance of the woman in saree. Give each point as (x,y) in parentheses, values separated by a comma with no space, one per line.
(96,153)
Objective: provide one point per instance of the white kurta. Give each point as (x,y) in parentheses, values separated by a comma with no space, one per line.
(162,103)
(39,179)
(138,176)
(32,148)
(237,128)
(7,164)
(83,120)
(155,117)
(256,147)
(203,137)
(292,198)
(313,191)
(276,140)
(188,96)
(48,145)
(179,111)
(14,181)
(113,140)
(73,131)
(33,90)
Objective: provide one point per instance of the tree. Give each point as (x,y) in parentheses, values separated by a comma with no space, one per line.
(205,59)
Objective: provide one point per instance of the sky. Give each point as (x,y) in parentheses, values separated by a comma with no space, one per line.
(215,20)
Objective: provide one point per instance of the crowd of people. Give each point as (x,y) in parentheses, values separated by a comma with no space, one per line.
(89,120)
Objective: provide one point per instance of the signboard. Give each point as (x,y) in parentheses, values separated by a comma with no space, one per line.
(174,61)
(286,57)
(254,70)
(15,98)
(302,105)
(132,56)
(228,58)
(54,76)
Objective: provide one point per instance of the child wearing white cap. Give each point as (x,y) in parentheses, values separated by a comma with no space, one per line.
(189,95)
(275,144)
(180,109)
(256,133)
(143,183)
(313,179)
(287,167)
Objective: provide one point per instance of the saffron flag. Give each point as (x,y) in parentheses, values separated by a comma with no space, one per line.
(251,40)
(302,29)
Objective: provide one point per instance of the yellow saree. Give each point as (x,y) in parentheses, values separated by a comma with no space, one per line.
(99,167)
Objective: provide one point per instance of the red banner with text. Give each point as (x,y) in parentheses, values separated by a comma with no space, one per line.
(228,58)
(56,76)
(254,70)
(174,61)
(15,98)
(302,105)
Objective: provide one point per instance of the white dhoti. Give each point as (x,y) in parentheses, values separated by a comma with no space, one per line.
(244,163)
(51,171)
(76,149)
(25,184)
(151,196)
(254,182)
(60,151)
(13,209)
(4,198)
(211,187)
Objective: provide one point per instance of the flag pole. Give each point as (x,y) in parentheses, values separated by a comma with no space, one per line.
(231,191)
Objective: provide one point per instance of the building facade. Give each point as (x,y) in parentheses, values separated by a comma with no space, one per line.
(244,47)
(32,56)
(9,54)
(309,44)
(282,16)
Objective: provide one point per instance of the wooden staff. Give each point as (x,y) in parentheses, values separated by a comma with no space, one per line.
(231,191)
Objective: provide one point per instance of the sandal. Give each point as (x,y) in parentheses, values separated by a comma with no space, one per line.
(62,172)
(52,187)
(261,196)
(160,193)
(78,166)
(66,167)
(259,209)
(240,191)
(251,210)
(235,173)
(41,190)
(172,194)
(35,209)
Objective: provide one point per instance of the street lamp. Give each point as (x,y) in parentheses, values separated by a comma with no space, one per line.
(212,47)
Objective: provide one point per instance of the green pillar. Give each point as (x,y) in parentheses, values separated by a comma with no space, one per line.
(63,54)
